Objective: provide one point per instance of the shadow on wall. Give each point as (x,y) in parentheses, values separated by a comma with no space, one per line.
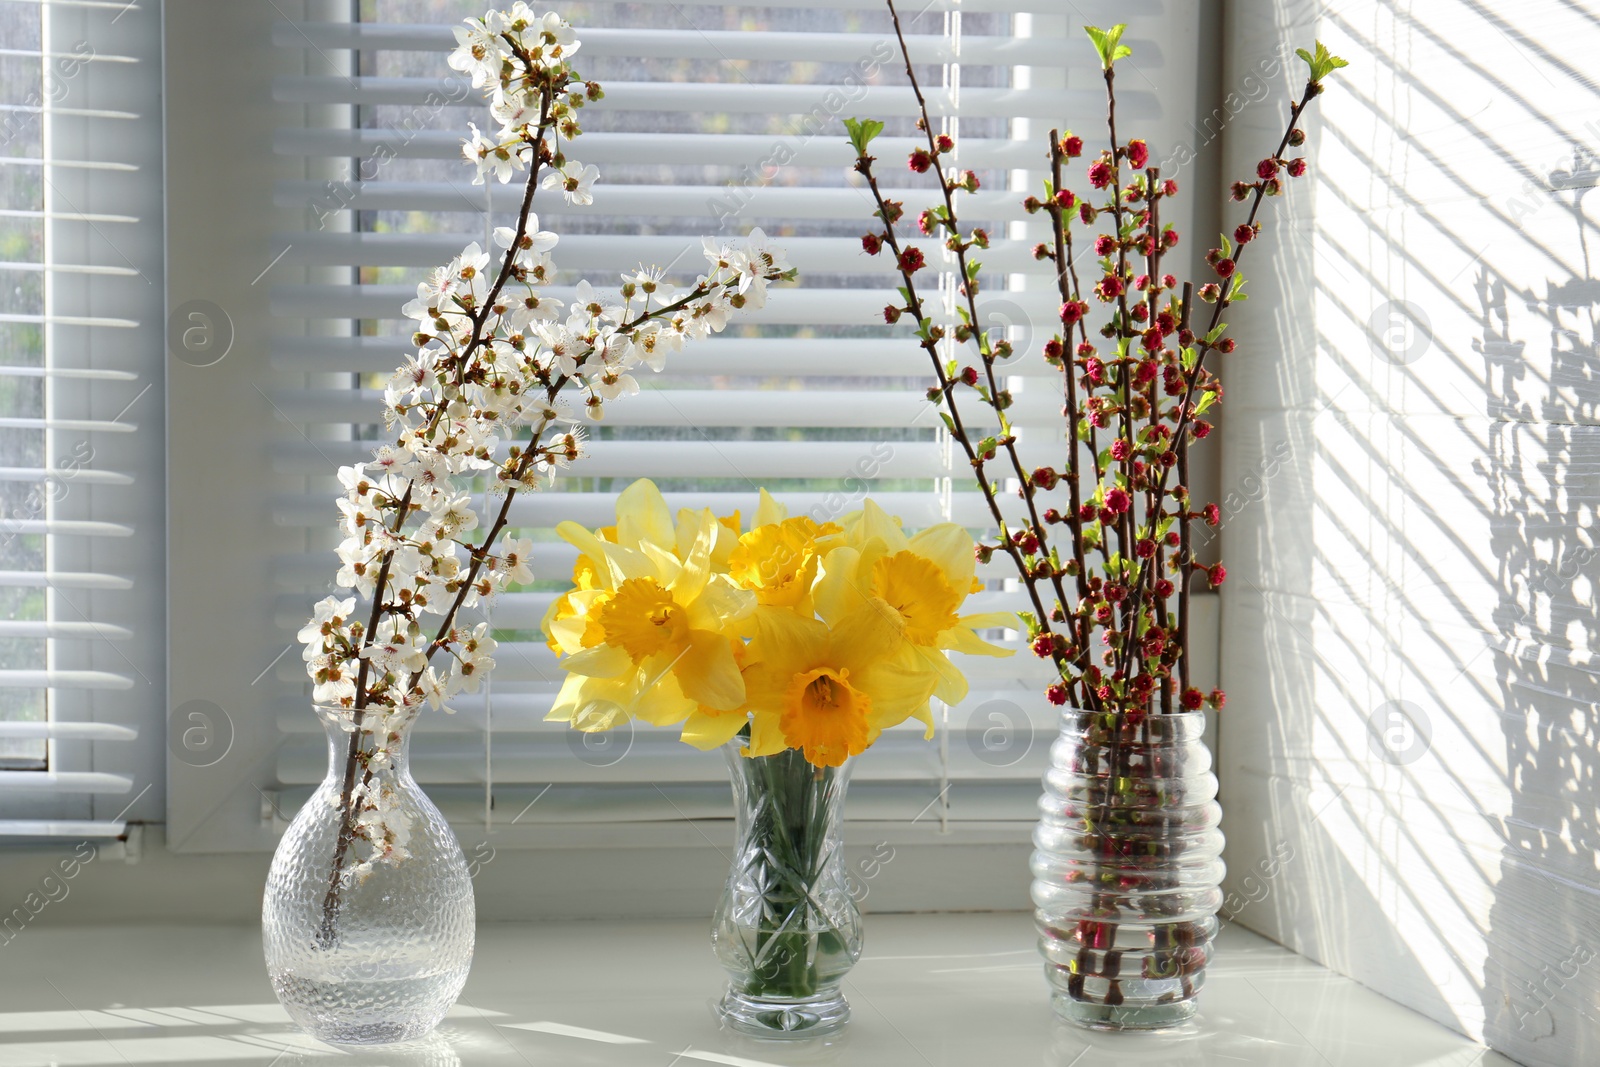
(1412,624)
(1543,942)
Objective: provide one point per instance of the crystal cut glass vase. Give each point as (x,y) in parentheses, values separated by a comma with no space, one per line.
(787,929)
(367,921)
(1127,868)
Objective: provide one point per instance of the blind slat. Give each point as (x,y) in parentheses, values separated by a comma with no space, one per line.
(726,45)
(63,782)
(885,409)
(25,679)
(976,102)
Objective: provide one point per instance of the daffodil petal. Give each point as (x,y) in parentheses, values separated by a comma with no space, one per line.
(642,515)
(587,544)
(990,620)
(708,673)
(658,699)
(664,566)
(601,661)
(869,633)
(769,510)
(711,731)
(766,737)
(590,704)
(962,639)
(879,524)
(691,576)
(950,548)
(952,684)
(720,602)
(897,692)
(784,637)
(838,591)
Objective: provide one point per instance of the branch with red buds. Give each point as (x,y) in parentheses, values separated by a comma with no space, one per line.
(1123,540)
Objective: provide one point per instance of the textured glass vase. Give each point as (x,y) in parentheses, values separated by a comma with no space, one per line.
(368,915)
(787,928)
(1127,868)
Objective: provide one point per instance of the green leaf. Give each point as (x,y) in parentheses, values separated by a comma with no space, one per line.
(1227,247)
(1236,290)
(949,424)
(1323,63)
(972,268)
(1205,402)
(862,131)
(1212,337)
(1108,43)
(1189,357)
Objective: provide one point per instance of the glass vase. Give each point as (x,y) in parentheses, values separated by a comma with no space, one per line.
(368,915)
(1127,868)
(787,929)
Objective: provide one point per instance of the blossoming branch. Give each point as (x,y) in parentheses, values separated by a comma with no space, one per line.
(496,360)
(1108,570)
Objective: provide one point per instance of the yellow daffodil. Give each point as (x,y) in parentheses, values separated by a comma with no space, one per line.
(585,576)
(828,691)
(649,641)
(777,560)
(916,585)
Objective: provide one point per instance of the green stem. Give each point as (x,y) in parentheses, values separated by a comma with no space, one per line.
(790,827)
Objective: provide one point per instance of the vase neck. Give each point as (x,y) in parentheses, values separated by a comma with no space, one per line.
(790,764)
(382,741)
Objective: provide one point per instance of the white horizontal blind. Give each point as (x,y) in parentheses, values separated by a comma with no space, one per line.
(715,119)
(81,676)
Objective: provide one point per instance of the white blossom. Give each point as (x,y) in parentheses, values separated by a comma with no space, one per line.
(576,181)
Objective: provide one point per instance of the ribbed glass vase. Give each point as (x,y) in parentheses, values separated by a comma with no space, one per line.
(368,917)
(1127,868)
(787,928)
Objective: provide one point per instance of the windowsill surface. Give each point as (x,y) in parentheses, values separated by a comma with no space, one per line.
(932,990)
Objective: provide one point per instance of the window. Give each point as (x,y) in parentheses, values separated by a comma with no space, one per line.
(715,119)
(82,679)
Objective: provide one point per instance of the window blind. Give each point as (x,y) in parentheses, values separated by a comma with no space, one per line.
(81,674)
(715,119)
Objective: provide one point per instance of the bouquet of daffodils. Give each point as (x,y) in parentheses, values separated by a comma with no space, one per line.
(485,401)
(798,635)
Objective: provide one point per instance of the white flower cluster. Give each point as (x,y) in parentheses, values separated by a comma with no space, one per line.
(495,360)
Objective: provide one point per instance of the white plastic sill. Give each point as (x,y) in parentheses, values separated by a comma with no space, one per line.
(931,991)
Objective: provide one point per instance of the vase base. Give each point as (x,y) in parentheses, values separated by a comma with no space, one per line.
(366,1034)
(1092,1016)
(825,1013)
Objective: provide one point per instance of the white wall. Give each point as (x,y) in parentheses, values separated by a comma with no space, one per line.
(1427,365)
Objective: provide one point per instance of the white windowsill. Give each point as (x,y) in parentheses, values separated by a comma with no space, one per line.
(932,989)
